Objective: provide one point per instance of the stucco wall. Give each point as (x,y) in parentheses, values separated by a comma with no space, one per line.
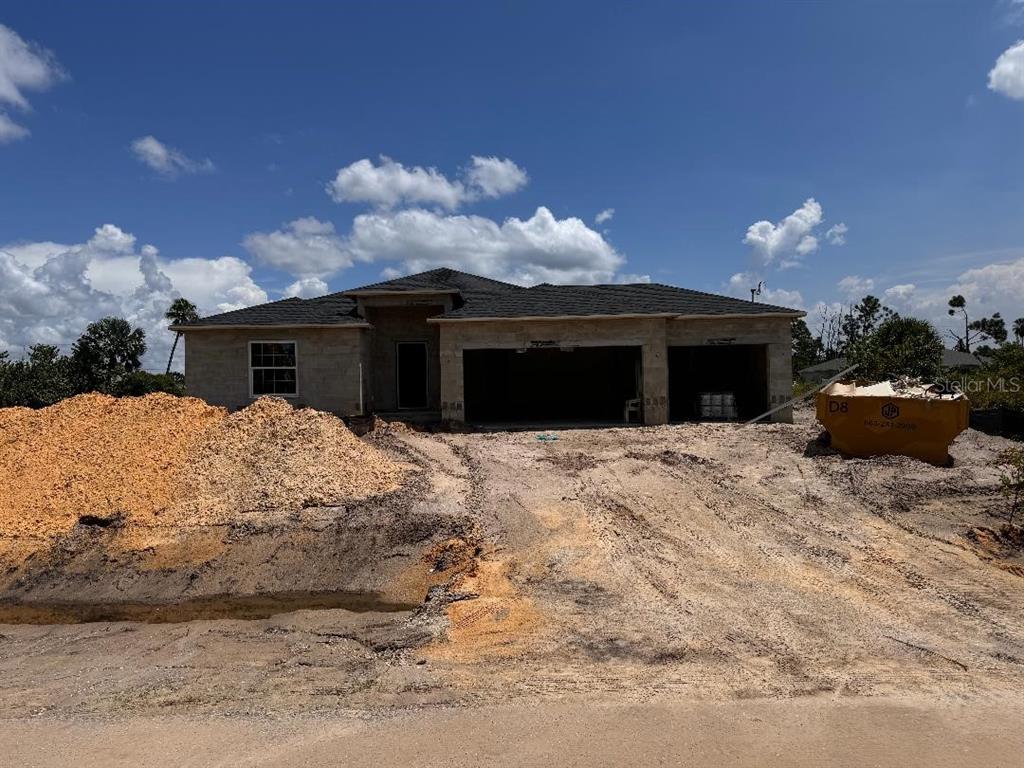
(328,360)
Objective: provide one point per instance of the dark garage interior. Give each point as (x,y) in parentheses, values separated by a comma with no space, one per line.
(741,369)
(576,384)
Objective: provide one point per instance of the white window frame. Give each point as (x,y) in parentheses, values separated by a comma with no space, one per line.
(252,368)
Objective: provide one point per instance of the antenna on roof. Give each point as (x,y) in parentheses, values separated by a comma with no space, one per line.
(755,292)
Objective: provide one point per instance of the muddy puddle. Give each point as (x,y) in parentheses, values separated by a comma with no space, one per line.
(244,607)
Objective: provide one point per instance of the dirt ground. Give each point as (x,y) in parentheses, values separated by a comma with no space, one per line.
(636,566)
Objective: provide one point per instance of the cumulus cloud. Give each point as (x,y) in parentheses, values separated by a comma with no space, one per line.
(306,288)
(1007,76)
(741,283)
(789,239)
(855,286)
(836,234)
(604,216)
(24,66)
(495,177)
(167,161)
(991,288)
(306,247)
(390,184)
(539,249)
(49,292)
(534,250)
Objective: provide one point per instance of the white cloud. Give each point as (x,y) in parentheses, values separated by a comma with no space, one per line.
(605,215)
(10,130)
(741,283)
(535,250)
(495,177)
(166,160)
(787,240)
(306,288)
(836,234)
(49,292)
(1007,76)
(390,184)
(306,247)
(991,288)
(24,66)
(856,287)
(900,293)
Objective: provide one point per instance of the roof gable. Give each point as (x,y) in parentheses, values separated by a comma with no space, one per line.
(441,280)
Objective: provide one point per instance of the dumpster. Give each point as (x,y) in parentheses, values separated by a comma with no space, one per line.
(888,418)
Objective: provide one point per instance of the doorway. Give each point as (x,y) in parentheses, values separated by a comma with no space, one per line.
(412,375)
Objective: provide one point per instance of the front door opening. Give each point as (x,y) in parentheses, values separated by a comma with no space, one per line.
(412,375)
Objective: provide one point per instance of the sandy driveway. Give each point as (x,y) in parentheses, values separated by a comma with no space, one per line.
(754,734)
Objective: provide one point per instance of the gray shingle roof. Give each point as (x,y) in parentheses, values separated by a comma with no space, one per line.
(630,299)
(480,297)
(442,280)
(334,309)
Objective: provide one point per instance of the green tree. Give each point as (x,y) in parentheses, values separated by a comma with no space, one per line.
(807,350)
(43,378)
(142,383)
(181,311)
(901,346)
(1018,330)
(863,318)
(993,328)
(108,351)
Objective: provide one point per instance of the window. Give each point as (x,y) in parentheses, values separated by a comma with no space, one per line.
(272,368)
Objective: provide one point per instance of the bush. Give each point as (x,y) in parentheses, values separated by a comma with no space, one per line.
(901,346)
(45,377)
(1000,382)
(142,383)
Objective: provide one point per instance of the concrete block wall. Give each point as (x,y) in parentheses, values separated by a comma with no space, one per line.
(774,332)
(393,323)
(328,360)
(647,333)
(653,335)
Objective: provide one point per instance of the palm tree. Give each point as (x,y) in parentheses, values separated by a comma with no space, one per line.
(1018,329)
(182,311)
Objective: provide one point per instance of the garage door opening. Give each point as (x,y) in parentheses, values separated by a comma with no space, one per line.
(578,384)
(741,370)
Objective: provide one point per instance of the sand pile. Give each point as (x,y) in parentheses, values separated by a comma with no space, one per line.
(166,460)
(271,456)
(97,455)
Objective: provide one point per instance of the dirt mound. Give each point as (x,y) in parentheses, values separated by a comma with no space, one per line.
(167,459)
(390,428)
(271,456)
(94,455)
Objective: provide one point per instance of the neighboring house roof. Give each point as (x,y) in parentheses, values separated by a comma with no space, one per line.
(951,358)
(954,358)
(478,298)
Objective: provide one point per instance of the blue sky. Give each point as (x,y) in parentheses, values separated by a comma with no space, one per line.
(215,132)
